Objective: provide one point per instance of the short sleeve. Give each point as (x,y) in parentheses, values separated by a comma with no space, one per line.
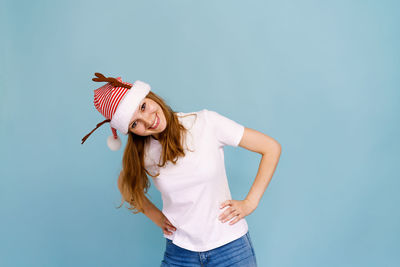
(227,131)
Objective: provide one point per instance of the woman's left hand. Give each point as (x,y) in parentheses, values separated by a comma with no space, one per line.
(238,208)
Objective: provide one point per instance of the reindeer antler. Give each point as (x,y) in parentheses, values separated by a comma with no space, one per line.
(97,126)
(113,81)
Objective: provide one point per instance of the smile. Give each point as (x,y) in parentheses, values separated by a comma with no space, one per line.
(156,123)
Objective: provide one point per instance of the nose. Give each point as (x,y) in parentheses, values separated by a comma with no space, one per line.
(147,119)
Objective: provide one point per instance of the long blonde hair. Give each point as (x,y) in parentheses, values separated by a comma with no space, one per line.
(133,182)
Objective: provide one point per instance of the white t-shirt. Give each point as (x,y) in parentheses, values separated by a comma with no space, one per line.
(193,189)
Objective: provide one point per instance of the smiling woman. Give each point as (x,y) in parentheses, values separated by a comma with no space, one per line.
(183,153)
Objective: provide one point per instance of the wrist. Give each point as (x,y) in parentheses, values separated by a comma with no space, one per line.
(253,203)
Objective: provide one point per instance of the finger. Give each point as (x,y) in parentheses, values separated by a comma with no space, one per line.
(235,220)
(230,216)
(171,225)
(166,220)
(168,231)
(225,203)
(226,214)
(223,215)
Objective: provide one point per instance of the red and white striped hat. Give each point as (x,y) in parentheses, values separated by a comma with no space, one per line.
(117,101)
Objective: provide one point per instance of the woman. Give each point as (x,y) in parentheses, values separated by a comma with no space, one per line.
(183,153)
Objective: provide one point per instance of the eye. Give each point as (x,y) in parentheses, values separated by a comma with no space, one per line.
(142,107)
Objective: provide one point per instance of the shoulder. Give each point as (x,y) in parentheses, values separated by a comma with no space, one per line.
(206,113)
(212,116)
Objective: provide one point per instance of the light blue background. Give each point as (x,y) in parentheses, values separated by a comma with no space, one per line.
(321,77)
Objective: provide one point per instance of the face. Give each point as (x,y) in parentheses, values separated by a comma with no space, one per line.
(148,114)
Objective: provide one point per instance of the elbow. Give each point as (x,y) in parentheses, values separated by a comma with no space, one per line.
(279,147)
(274,148)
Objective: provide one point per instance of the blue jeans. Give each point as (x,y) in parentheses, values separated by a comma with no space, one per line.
(237,253)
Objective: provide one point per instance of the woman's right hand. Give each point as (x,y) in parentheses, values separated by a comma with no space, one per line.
(167,226)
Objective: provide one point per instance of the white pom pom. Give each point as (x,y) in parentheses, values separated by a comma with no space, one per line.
(114,144)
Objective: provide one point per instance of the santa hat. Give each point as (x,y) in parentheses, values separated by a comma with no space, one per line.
(117,101)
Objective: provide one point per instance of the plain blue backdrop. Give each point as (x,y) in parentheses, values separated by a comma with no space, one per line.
(321,77)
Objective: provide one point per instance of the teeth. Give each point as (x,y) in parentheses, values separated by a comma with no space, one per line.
(155,121)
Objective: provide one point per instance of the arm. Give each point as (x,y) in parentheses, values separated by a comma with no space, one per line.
(150,210)
(270,150)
